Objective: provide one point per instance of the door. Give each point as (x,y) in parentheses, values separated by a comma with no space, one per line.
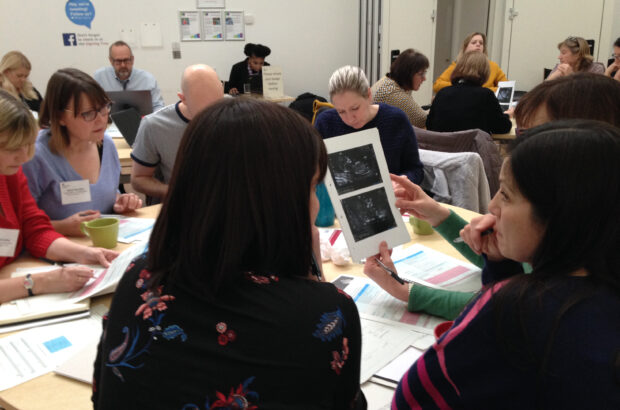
(533,29)
(409,24)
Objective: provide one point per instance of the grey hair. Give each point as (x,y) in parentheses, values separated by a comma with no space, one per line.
(348,78)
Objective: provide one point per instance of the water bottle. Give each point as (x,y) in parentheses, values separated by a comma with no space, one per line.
(326,211)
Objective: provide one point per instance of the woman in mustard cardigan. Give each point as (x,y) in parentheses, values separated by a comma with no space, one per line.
(473,42)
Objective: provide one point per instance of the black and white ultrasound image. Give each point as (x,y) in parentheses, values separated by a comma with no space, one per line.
(354,169)
(368,214)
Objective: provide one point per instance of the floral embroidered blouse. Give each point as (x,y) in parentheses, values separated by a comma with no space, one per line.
(266,343)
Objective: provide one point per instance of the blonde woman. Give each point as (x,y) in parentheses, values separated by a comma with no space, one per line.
(473,42)
(14,71)
(23,224)
(575,57)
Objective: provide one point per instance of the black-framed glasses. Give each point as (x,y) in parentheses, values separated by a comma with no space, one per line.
(122,61)
(89,116)
(616,56)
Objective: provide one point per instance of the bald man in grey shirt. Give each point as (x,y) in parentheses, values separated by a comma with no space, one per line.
(159,135)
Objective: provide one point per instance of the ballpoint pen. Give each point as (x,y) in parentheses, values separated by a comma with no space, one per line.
(460,240)
(391,272)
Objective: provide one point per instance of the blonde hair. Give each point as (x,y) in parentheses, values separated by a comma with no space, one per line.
(348,78)
(579,47)
(17,125)
(467,41)
(473,67)
(14,60)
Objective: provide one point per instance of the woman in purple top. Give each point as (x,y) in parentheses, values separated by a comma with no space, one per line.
(550,339)
(75,172)
(354,111)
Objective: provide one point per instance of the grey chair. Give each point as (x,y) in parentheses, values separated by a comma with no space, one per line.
(465,141)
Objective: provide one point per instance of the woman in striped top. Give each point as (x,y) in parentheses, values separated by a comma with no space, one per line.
(549,339)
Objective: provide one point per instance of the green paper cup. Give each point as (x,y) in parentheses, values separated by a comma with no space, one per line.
(103,232)
(420,227)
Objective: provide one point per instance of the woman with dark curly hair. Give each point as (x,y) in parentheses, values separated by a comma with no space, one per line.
(250,70)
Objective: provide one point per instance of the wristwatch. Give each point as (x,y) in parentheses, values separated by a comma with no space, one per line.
(28,284)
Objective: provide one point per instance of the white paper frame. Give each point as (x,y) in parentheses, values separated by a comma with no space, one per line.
(184,14)
(203,15)
(229,34)
(504,85)
(395,236)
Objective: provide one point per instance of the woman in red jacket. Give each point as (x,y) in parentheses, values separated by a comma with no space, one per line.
(23,224)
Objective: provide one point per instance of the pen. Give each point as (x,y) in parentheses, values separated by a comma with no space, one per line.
(460,240)
(391,272)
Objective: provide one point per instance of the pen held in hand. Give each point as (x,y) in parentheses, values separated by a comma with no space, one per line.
(391,272)
(460,240)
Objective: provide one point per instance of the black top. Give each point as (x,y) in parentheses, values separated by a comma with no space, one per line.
(240,74)
(34,104)
(268,343)
(465,106)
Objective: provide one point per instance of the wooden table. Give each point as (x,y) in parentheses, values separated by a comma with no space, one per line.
(124,152)
(283,99)
(51,391)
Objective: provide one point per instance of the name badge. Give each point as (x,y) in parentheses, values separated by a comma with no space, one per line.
(74,192)
(8,242)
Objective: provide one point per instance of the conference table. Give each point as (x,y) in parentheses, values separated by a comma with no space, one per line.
(52,391)
(507,137)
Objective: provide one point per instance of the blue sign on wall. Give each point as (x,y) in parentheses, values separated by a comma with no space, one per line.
(80,12)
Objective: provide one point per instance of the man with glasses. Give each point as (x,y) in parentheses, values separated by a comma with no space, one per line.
(122,76)
(159,135)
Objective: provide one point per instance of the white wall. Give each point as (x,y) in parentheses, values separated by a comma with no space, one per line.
(309,39)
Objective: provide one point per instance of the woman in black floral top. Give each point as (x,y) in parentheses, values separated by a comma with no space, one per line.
(223,312)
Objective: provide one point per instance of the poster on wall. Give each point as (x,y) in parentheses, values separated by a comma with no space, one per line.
(189,24)
(213,25)
(235,27)
(210,4)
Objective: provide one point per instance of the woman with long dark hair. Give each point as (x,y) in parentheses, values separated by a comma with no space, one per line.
(224,310)
(549,339)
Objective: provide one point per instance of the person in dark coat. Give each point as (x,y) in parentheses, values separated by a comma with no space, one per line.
(466,104)
(250,70)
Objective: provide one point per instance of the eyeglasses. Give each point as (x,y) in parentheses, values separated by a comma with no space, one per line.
(123,61)
(89,116)
(571,38)
(616,56)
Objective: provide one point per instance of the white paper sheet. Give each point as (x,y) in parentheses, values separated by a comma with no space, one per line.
(37,351)
(419,262)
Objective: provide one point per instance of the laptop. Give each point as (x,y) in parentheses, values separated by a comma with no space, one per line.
(140,100)
(127,122)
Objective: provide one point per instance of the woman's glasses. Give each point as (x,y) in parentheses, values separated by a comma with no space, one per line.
(89,116)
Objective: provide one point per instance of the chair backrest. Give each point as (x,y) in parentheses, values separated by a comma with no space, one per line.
(456,178)
(474,140)
(318,107)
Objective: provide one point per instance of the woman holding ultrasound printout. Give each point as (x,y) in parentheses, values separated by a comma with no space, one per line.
(354,111)
(227,309)
(75,172)
(548,339)
(582,95)
(23,224)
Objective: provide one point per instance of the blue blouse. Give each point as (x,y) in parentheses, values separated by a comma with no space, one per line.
(46,170)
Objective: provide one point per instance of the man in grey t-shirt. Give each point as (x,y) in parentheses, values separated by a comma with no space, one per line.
(159,135)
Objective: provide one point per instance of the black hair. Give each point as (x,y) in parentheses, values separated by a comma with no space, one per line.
(256,50)
(570,174)
(406,65)
(239,197)
(617,42)
(580,95)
